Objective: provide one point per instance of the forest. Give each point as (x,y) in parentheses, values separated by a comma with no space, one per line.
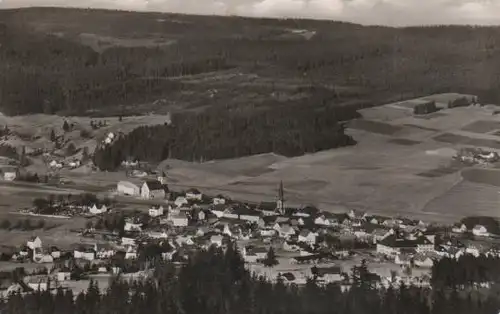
(219,134)
(466,271)
(138,59)
(217,282)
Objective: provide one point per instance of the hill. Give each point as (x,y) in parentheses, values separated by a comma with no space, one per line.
(98,62)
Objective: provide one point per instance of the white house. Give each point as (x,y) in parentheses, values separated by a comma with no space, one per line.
(219,200)
(307,236)
(9,174)
(327,275)
(128,241)
(290,246)
(179,220)
(181,240)
(194,194)
(480,231)
(250,217)
(423,261)
(218,211)
(152,190)
(267,232)
(88,255)
(40,257)
(38,283)
(322,221)
(216,240)
(63,275)
(55,252)
(131,226)
(34,243)
(156,211)
(157,234)
(181,201)
(284,230)
(459,229)
(97,211)
(131,253)
(128,188)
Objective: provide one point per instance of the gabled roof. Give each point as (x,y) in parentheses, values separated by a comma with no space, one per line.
(154,185)
(193,190)
(333,270)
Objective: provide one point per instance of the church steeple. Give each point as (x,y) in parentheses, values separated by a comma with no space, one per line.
(280,204)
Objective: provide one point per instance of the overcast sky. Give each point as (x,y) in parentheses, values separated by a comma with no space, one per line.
(382,12)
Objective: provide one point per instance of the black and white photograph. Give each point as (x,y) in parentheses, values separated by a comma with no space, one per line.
(250,157)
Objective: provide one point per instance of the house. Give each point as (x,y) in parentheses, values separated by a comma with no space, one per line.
(104,251)
(251,216)
(132,226)
(290,246)
(230,213)
(55,252)
(354,214)
(128,188)
(34,243)
(9,173)
(267,232)
(216,240)
(131,253)
(392,245)
(218,211)
(284,230)
(194,195)
(326,275)
(480,231)
(38,283)
(180,201)
(252,254)
(152,190)
(307,236)
(42,257)
(182,240)
(96,211)
(321,220)
(128,241)
(156,211)
(379,234)
(459,229)
(56,165)
(423,261)
(63,275)
(219,200)
(85,253)
(179,220)
(157,234)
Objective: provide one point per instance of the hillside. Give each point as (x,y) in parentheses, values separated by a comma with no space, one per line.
(97,62)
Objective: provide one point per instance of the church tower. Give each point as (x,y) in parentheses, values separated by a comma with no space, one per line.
(280,203)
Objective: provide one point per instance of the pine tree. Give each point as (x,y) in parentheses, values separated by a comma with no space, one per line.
(66,126)
(53,137)
(270,259)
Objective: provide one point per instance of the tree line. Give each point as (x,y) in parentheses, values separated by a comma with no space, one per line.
(216,282)
(466,271)
(219,134)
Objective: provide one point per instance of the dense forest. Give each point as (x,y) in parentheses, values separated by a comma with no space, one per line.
(216,282)
(72,61)
(218,134)
(467,270)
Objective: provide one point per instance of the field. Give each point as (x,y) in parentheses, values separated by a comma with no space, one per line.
(401,166)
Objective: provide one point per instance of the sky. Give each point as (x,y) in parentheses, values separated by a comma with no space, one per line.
(368,12)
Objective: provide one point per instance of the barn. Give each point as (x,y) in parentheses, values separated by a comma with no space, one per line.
(128,188)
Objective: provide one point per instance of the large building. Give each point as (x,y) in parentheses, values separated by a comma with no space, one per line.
(128,188)
(152,190)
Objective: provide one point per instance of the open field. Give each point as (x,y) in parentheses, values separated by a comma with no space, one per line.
(401,166)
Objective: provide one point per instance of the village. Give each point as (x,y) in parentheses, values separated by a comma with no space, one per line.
(275,241)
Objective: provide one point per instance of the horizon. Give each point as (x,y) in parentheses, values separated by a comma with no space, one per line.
(392,13)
